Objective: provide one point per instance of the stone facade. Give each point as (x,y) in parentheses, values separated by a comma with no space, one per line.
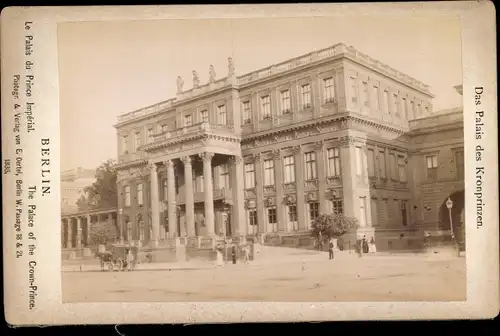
(266,152)
(72,184)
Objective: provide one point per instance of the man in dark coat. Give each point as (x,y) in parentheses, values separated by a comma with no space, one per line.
(233,253)
(330,250)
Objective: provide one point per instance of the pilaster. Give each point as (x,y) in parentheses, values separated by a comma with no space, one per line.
(259,191)
(316,96)
(78,233)
(189,194)
(208,191)
(237,186)
(69,238)
(89,228)
(348,163)
(278,172)
(300,186)
(155,203)
(171,201)
(320,157)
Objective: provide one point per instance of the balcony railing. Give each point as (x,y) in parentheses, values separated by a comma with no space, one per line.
(203,127)
(437,119)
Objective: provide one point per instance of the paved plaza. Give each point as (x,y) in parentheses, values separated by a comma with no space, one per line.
(296,276)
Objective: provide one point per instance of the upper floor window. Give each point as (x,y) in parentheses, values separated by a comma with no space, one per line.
(188,120)
(203,115)
(266,107)
(381,164)
(419,110)
(432,166)
(150,135)
(354,90)
(249,175)
(140,195)
(329,90)
(366,100)
(224,176)
(164,128)
(426,110)
(412,110)
(285,101)
(221,115)
(137,141)
(165,190)
(375,99)
(395,104)
(310,158)
(126,195)
(459,164)
(394,166)
(247,113)
(125,144)
(371,162)
(306,95)
(268,172)
(386,102)
(359,161)
(289,165)
(405,108)
(402,168)
(333,162)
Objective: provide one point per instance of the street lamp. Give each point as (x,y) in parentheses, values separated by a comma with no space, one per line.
(120,224)
(226,207)
(449,205)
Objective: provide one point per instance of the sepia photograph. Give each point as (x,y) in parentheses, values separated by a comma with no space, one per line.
(311,159)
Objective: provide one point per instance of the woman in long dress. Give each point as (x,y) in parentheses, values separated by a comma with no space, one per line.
(373,247)
(220,259)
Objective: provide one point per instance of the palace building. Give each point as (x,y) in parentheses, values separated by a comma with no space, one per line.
(263,154)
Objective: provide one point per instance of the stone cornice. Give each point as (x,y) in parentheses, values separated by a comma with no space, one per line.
(180,140)
(130,164)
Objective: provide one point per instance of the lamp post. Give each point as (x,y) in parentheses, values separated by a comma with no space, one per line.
(120,224)
(449,205)
(226,208)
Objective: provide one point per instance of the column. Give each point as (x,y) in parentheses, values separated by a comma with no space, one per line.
(69,240)
(89,226)
(155,204)
(110,221)
(171,201)
(237,185)
(189,193)
(348,163)
(320,159)
(278,182)
(78,232)
(259,193)
(299,187)
(316,96)
(209,192)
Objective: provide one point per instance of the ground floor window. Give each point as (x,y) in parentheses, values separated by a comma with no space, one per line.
(129,230)
(141,230)
(313,212)
(338,207)
(404,213)
(252,217)
(292,216)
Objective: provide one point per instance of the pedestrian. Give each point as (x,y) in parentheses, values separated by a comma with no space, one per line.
(220,258)
(246,250)
(233,253)
(330,250)
(129,259)
(365,245)
(373,247)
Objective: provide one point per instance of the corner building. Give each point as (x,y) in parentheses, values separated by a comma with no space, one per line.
(265,153)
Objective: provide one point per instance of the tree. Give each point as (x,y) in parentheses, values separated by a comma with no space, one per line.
(102,193)
(102,233)
(332,226)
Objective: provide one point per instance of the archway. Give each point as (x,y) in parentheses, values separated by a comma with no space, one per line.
(457,216)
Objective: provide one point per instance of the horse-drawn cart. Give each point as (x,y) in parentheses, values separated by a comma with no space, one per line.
(119,258)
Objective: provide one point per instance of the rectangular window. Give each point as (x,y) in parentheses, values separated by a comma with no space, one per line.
(188,120)
(313,210)
(289,165)
(426,109)
(366,97)
(412,110)
(395,104)
(306,95)
(333,162)
(164,128)
(394,166)
(329,90)
(137,141)
(285,102)
(375,98)
(359,161)
(432,166)
(126,193)
(381,164)
(374,212)
(268,172)
(141,230)
(125,144)
(362,210)
(371,162)
(247,113)
(140,195)
(221,115)
(405,108)
(129,231)
(404,213)
(459,164)
(271,215)
(402,168)
(266,107)
(386,101)
(338,207)
(292,213)
(204,115)
(224,176)
(310,158)
(419,110)
(354,88)
(150,135)
(249,175)
(252,217)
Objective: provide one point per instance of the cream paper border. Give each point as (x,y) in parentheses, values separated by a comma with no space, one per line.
(479,55)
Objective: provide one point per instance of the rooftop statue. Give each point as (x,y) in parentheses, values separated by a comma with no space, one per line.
(196,79)
(180,84)
(211,74)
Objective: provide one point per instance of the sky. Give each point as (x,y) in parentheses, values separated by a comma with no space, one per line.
(111,68)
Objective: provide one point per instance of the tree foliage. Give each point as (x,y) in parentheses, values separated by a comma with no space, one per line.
(333,225)
(102,233)
(102,193)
